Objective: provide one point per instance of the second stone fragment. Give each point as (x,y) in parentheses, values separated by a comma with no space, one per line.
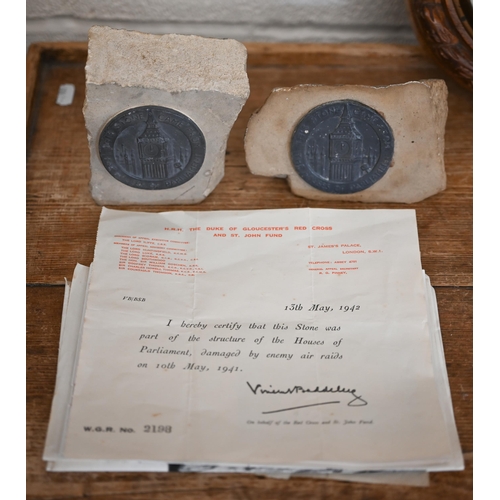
(352,142)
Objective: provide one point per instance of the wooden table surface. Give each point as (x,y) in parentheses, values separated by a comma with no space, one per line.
(61,230)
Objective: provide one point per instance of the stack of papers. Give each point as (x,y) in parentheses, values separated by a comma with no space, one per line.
(279,342)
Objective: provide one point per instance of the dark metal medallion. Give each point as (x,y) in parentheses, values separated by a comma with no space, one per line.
(342,147)
(152,147)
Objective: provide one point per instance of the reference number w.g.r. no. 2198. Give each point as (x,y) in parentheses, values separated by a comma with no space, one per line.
(158,428)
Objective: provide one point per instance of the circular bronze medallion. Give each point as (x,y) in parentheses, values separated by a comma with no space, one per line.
(152,147)
(342,147)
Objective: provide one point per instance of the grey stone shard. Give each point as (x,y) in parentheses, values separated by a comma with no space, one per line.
(158,112)
(353,142)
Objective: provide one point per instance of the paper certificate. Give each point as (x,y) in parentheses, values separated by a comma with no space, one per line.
(281,338)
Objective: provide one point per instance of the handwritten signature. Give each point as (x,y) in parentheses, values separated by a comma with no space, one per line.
(298,389)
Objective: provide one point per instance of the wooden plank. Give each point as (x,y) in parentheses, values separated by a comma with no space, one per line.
(32,71)
(43,52)
(330,54)
(62,51)
(178,486)
(266,54)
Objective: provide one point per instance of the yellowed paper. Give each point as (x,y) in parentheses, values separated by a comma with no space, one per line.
(280,338)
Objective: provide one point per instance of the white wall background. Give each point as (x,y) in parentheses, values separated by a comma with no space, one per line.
(245,20)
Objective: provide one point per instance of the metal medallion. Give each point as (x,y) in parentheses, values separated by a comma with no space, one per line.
(152,147)
(342,147)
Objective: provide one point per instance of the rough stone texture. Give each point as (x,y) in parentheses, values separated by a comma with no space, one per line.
(416,112)
(203,78)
